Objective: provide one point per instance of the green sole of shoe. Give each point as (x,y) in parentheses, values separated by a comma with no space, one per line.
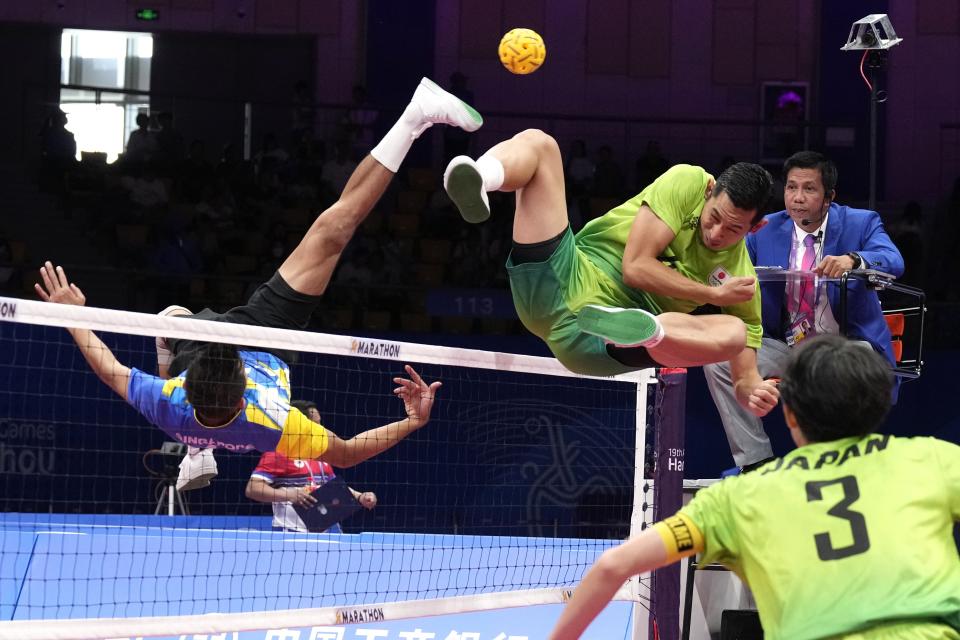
(464,186)
(623,327)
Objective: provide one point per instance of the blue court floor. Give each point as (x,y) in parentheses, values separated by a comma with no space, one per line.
(86,566)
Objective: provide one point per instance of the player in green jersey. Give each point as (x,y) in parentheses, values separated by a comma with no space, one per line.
(848,536)
(617,297)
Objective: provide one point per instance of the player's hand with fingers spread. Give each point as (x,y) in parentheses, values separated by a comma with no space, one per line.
(417,396)
(764,398)
(56,287)
(834,266)
(734,291)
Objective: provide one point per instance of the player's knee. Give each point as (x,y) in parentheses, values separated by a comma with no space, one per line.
(542,142)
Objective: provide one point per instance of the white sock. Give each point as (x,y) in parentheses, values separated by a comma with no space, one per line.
(491,170)
(164,355)
(394,147)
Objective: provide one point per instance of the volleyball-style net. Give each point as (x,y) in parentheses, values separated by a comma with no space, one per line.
(523,476)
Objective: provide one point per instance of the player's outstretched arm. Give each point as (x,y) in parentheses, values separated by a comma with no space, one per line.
(57,288)
(417,398)
(638,555)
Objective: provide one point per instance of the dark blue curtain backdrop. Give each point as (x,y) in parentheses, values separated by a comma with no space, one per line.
(393,27)
(843,97)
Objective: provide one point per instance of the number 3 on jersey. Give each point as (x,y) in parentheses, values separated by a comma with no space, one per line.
(858,526)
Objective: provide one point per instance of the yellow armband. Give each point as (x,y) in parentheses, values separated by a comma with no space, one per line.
(681,537)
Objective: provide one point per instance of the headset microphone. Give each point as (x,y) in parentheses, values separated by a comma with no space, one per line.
(804,222)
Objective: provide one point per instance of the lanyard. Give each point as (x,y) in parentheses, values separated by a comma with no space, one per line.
(313,478)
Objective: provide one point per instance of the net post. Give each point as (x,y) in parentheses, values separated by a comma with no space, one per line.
(669,426)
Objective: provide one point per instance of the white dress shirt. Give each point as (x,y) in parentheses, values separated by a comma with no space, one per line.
(824,321)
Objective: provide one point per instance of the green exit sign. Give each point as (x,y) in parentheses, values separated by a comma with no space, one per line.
(148,14)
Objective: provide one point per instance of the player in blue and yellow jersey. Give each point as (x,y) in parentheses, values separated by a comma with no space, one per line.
(239,399)
(849,536)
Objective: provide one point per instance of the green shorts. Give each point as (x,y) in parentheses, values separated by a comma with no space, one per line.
(548,294)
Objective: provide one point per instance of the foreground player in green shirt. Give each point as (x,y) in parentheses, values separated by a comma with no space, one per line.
(850,535)
(617,297)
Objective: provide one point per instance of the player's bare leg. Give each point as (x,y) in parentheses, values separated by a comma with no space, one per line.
(672,339)
(693,341)
(530,164)
(309,267)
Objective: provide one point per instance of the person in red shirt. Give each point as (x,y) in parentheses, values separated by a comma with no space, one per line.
(285,482)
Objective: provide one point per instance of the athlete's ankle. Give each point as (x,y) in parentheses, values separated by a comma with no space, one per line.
(491,170)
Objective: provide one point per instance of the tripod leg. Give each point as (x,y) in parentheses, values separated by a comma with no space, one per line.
(183,508)
(163,496)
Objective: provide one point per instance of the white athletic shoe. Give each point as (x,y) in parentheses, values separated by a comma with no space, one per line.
(441,107)
(197,469)
(164,355)
(464,185)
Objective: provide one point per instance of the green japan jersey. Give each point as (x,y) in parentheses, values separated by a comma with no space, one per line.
(677,198)
(842,536)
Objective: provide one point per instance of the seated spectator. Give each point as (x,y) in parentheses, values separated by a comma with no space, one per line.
(168,154)
(234,172)
(338,169)
(578,172)
(304,113)
(355,269)
(267,162)
(196,173)
(608,177)
(148,191)
(217,205)
(358,123)
(176,254)
(652,164)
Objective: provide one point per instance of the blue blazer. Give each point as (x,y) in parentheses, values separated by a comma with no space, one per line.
(857,230)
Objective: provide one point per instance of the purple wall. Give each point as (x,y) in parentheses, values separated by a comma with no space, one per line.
(923,159)
(657,59)
(690,59)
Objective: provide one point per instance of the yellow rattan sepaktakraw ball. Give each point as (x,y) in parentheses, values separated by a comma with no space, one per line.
(522,51)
